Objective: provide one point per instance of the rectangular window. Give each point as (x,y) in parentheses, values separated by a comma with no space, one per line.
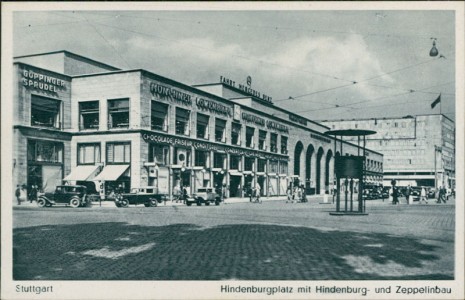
(220,126)
(261,165)
(202,126)
(44,151)
(45,112)
(284,144)
(249,163)
(118,153)
(89,115)
(88,154)
(159,154)
(274,142)
(182,121)
(235,162)
(249,133)
(201,158)
(159,117)
(219,160)
(236,134)
(118,113)
(274,166)
(283,168)
(262,140)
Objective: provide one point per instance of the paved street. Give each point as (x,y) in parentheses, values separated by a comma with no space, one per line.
(274,240)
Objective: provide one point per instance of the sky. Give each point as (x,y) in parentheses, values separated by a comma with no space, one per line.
(320,64)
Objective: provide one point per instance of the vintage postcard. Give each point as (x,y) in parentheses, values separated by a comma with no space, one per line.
(233,150)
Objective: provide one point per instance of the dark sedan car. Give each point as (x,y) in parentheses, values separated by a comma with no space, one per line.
(72,195)
(144,195)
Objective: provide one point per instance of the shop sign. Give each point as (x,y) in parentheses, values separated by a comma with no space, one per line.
(298,119)
(170,93)
(320,138)
(253,119)
(42,82)
(153,137)
(212,106)
(277,126)
(246,88)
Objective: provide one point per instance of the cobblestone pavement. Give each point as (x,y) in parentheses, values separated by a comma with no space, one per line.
(274,240)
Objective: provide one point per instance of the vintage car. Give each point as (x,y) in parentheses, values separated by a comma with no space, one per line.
(142,195)
(204,195)
(72,195)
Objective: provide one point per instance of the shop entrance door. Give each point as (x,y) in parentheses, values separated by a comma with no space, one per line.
(261,182)
(235,186)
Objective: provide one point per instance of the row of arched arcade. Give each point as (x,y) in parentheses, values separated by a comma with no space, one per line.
(314,167)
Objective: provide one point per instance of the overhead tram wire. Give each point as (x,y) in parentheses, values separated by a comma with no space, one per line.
(353,82)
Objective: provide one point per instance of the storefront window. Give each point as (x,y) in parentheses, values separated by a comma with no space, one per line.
(159,117)
(219,160)
(118,153)
(88,154)
(249,163)
(284,144)
(220,126)
(45,112)
(249,132)
(274,142)
(182,121)
(202,126)
(261,165)
(235,162)
(262,140)
(236,134)
(201,158)
(283,167)
(89,115)
(182,156)
(274,166)
(44,151)
(118,113)
(159,154)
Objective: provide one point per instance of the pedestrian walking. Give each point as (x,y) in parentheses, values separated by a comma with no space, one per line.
(33,193)
(395,196)
(289,193)
(423,196)
(304,194)
(408,192)
(18,194)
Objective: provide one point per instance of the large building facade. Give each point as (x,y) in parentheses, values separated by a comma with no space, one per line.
(81,121)
(418,150)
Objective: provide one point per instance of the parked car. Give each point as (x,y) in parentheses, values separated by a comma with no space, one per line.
(147,196)
(72,195)
(204,195)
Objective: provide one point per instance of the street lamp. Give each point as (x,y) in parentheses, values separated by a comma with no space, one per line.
(436,149)
(434,51)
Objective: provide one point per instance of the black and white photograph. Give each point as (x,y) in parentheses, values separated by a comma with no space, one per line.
(232,150)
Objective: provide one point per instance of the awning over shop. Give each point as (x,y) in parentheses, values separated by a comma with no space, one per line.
(235,173)
(111,172)
(82,173)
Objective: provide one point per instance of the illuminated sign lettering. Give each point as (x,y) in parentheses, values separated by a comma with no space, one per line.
(298,119)
(277,126)
(213,106)
(246,88)
(253,119)
(170,93)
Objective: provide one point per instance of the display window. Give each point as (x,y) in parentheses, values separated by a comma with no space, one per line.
(159,154)
(88,154)
(118,153)
(235,162)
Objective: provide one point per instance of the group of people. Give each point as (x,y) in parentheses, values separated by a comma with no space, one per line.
(255,193)
(423,195)
(296,193)
(22,194)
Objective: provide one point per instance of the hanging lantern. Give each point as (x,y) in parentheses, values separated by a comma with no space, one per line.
(434,51)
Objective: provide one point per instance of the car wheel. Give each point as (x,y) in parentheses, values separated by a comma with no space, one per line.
(207,203)
(188,203)
(199,203)
(217,202)
(75,202)
(41,202)
(153,202)
(117,204)
(124,202)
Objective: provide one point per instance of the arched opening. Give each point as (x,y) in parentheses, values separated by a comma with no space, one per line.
(308,170)
(319,155)
(297,153)
(328,170)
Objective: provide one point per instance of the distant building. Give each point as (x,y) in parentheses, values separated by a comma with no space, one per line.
(418,150)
